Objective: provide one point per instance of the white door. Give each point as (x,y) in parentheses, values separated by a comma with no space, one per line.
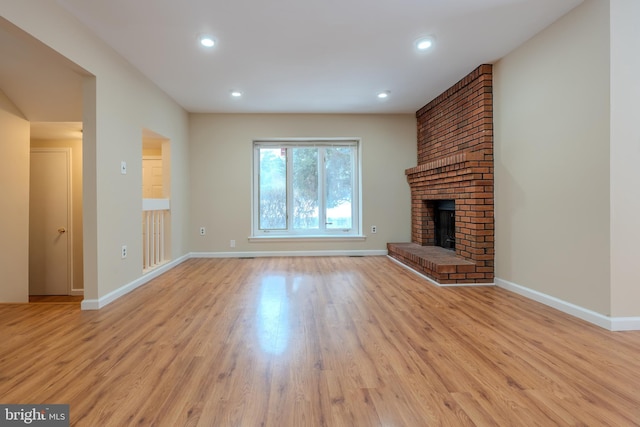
(49,222)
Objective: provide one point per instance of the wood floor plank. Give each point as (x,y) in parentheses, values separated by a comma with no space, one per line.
(335,341)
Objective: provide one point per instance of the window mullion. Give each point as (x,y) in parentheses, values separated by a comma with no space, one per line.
(256,188)
(322,211)
(289,184)
(354,185)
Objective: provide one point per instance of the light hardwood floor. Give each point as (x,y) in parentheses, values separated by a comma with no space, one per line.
(317,341)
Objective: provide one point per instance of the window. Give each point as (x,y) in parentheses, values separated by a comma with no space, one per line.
(306,188)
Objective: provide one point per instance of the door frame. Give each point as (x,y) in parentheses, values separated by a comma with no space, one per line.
(67,151)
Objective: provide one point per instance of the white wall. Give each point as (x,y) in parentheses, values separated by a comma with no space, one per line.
(625,158)
(14,215)
(118,104)
(552,160)
(221,171)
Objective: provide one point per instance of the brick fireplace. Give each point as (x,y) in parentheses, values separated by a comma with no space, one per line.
(455,168)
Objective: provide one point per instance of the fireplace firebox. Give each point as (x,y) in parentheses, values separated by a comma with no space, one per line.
(445,224)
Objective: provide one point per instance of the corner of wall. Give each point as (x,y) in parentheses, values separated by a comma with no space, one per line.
(14,191)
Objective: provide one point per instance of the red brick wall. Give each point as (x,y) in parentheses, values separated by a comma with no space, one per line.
(455,162)
(459,119)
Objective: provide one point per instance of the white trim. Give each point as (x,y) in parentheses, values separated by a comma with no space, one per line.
(342,141)
(288,254)
(606,322)
(71,223)
(430,280)
(294,238)
(156,204)
(96,304)
(625,324)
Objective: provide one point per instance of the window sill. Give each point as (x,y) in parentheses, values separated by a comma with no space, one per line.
(351,238)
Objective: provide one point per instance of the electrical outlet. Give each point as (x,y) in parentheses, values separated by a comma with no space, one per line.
(203,231)
(232,243)
(124,251)
(374,229)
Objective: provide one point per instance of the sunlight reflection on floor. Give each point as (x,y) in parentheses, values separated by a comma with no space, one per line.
(273,315)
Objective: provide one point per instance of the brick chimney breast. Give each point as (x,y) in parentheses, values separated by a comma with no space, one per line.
(455,162)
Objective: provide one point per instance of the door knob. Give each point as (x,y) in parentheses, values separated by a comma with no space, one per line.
(62,230)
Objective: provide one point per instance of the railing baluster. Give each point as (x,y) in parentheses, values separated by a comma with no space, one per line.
(146,239)
(156,241)
(154,250)
(161,228)
(153,238)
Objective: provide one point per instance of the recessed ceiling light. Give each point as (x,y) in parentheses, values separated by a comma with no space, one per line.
(424,43)
(384,95)
(236,93)
(207,41)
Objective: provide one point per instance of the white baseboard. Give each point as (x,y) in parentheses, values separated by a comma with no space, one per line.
(430,280)
(625,324)
(96,304)
(606,322)
(288,253)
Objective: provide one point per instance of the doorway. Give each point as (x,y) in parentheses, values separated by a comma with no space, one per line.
(54,95)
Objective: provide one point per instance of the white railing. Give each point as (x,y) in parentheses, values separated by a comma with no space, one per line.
(154,213)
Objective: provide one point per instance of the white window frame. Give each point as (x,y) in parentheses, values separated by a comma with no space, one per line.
(355,232)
